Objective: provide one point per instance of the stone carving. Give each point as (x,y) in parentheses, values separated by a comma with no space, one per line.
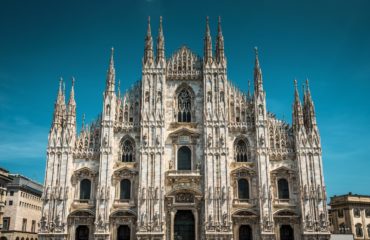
(184,198)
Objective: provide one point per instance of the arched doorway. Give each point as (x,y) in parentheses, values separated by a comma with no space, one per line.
(184,228)
(245,232)
(123,232)
(82,233)
(286,232)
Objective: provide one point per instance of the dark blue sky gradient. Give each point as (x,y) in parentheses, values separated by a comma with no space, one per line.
(325,41)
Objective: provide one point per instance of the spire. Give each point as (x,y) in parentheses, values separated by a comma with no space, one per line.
(297,109)
(71,100)
(83,122)
(111,74)
(71,109)
(258,83)
(207,44)
(309,108)
(59,106)
(119,89)
(148,51)
(220,53)
(160,42)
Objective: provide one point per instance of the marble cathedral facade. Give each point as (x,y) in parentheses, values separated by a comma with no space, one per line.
(184,154)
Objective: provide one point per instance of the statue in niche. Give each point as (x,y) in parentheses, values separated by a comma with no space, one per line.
(260,109)
(170,164)
(145,142)
(105,140)
(261,140)
(209,140)
(157,141)
(222,140)
(198,165)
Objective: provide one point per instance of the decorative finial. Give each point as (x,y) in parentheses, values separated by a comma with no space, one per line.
(256,50)
(295,83)
(60,83)
(73,81)
(307,83)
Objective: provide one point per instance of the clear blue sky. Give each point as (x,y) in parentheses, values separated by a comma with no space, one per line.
(325,41)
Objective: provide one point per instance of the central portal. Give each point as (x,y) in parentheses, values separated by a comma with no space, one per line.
(123,232)
(184,225)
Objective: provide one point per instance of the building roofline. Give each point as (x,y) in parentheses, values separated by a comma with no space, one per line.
(26,178)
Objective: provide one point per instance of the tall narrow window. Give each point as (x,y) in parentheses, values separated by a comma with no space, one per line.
(283,188)
(184,106)
(24,225)
(85,189)
(368,230)
(33,226)
(184,158)
(128,151)
(125,193)
(243,189)
(241,151)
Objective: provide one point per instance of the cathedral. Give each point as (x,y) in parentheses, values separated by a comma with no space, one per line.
(184,155)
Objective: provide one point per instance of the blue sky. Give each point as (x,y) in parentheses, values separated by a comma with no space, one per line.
(325,41)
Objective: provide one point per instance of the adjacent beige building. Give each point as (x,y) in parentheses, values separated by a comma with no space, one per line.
(4,180)
(350,214)
(23,209)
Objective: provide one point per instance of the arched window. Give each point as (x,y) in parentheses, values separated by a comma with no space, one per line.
(243,189)
(125,193)
(368,230)
(359,232)
(128,152)
(184,106)
(356,212)
(367,213)
(283,188)
(184,158)
(85,189)
(241,151)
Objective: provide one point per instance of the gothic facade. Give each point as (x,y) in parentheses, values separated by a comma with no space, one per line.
(184,154)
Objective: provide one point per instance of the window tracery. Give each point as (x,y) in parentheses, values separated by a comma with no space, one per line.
(241,151)
(128,151)
(184,106)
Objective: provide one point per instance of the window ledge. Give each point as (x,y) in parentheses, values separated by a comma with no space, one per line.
(83,203)
(119,203)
